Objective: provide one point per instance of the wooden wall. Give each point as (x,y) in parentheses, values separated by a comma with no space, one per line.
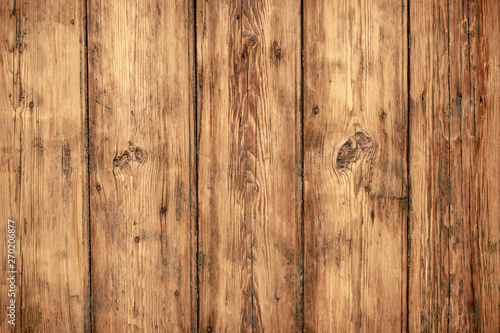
(226,166)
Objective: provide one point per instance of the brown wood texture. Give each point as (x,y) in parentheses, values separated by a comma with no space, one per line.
(44,163)
(141,162)
(487,59)
(256,166)
(453,166)
(249,165)
(355,166)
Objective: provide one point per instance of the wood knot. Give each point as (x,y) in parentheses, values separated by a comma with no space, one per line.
(363,140)
(129,155)
(250,39)
(276,51)
(122,161)
(139,155)
(349,152)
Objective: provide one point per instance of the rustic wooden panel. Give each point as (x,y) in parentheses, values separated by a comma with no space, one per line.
(224,236)
(487,165)
(249,165)
(429,167)
(355,165)
(463,283)
(10,185)
(452,242)
(141,165)
(43,162)
(285,165)
(273,97)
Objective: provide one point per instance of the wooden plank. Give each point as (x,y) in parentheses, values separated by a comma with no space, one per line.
(224,234)
(355,165)
(249,165)
(487,174)
(446,214)
(463,280)
(10,184)
(274,80)
(43,114)
(141,166)
(429,164)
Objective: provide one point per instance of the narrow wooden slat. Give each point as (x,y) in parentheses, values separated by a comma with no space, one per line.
(463,291)
(43,108)
(429,167)
(488,161)
(445,218)
(472,281)
(10,181)
(355,165)
(141,166)
(224,161)
(271,34)
(249,165)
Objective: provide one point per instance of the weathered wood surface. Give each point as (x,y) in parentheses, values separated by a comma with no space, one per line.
(44,163)
(141,166)
(355,165)
(211,166)
(486,25)
(249,165)
(453,163)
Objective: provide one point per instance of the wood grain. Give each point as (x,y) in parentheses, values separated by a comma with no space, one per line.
(355,165)
(487,61)
(263,166)
(224,260)
(44,165)
(10,157)
(429,167)
(451,234)
(249,165)
(141,166)
(274,63)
